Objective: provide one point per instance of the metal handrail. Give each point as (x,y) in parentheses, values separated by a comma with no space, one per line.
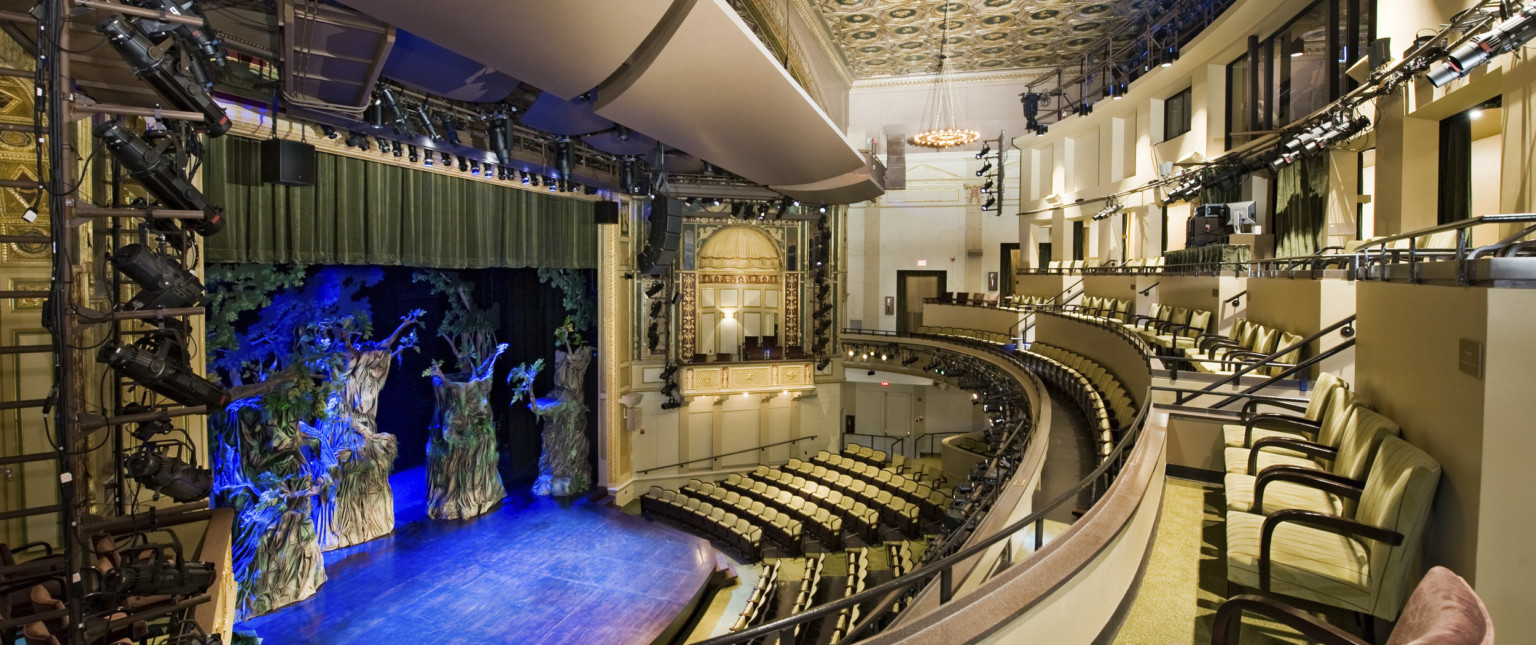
(930,435)
(895,440)
(727,454)
(1135,341)
(943,568)
(1067,291)
(1345,323)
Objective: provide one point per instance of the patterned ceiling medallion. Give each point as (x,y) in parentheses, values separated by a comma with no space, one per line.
(993,50)
(15,139)
(915,58)
(1076,43)
(1039,26)
(1032,60)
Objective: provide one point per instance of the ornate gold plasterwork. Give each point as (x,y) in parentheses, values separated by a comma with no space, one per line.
(791,309)
(18,161)
(688,321)
(721,278)
(29,304)
(882,38)
(725,380)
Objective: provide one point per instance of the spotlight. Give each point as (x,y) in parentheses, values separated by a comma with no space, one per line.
(984,168)
(1170,54)
(1085,109)
(426,159)
(399,122)
(152,66)
(987,187)
(328,131)
(450,128)
(358,140)
(563,159)
(415,155)
(463,164)
(383,144)
(1040,130)
(524,175)
(498,134)
(445,159)
(991,201)
(474,168)
(986,149)
(158,362)
(425,118)
(165,284)
(374,113)
(158,471)
(203,38)
(154,169)
(157,576)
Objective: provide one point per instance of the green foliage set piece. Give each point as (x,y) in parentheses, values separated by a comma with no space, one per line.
(469,330)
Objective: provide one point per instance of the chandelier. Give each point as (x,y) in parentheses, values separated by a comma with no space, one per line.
(942,117)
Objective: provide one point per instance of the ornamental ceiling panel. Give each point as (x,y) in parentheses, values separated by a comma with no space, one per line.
(882,38)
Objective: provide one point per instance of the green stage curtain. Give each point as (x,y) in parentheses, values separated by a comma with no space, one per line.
(360,212)
(1301,218)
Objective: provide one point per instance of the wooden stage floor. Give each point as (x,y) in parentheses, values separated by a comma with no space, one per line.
(533,571)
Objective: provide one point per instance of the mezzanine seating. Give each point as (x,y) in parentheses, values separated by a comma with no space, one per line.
(1101,309)
(1249,342)
(1277,487)
(1309,422)
(1360,563)
(1101,396)
(1171,329)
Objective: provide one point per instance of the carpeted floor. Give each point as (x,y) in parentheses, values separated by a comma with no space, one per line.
(1186,578)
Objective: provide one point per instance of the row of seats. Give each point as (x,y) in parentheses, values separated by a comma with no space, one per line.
(1172,329)
(1101,309)
(972,444)
(963,298)
(916,470)
(763,595)
(902,563)
(865,454)
(1328,505)
(930,502)
(891,510)
(843,511)
(1030,301)
(993,337)
(738,533)
(1250,342)
(858,571)
(809,585)
(1101,396)
(779,527)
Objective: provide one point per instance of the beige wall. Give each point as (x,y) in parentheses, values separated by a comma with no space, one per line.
(1406,367)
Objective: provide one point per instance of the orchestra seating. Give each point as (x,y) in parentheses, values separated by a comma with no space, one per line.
(741,535)
(763,595)
(858,572)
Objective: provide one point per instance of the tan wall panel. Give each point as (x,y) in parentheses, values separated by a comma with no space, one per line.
(1407,369)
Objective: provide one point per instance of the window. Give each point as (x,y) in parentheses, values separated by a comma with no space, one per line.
(1176,115)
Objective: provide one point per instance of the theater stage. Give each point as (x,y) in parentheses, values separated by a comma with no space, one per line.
(533,571)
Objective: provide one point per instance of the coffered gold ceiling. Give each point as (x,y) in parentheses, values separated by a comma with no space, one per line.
(900,37)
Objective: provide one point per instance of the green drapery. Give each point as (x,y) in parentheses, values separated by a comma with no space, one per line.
(361,212)
(1301,218)
(1226,191)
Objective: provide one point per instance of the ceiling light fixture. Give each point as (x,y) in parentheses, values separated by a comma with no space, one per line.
(943,130)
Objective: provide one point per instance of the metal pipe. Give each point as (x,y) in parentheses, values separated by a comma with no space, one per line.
(6,295)
(93,423)
(142,13)
(24,239)
(151,519)
(725,454)
(22,459)
(155,213)
(128,110)
(28,512)
(23,404)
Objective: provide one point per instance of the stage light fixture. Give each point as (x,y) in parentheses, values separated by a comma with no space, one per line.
(986,149)
(374,113)
(426,159)
(1040,130)
(155,68)
(463,164)
(398,120)
(537,180)
(984,168)
(1170,55)
(987,187)
(159,577)
(451,128)
(445,159)
(498,134)
(415,155)
(474,168)
(358,140)
(154,468)
(165,284)
(203,39)
(328,131)
(158,362)
(383,144)
(524,175)
(425,118)
(154,169)
(991,201)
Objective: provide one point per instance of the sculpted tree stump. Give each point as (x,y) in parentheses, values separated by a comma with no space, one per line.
(563,466)
(363,507)
(265,476)
(462,480)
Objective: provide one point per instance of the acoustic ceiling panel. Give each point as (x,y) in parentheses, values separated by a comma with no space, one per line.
(705,85)
(564,47)
(856,186)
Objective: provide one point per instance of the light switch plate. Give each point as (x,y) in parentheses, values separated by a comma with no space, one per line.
(1470,358)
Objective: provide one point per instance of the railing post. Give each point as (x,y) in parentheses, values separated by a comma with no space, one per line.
(1039,534)
(946,584)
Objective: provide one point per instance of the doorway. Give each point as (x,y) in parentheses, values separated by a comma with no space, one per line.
(1008,259)
(912,288)
(1044,250)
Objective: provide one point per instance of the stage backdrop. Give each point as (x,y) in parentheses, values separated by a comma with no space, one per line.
(361,212)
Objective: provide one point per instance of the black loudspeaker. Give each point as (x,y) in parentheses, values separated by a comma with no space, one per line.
(606,212)
(665,218)
(289,163)
(1380,53)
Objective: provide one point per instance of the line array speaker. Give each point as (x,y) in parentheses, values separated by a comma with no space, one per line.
(665,224)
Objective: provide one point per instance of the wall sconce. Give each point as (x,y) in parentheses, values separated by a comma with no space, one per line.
(728,314)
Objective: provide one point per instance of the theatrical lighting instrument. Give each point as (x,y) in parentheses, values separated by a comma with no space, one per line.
(654,288)
(1040,130)
(991,201)
(165,283)
(986,149)
(358,140)
(498,135)
(1506,36)
(415,155)
(374,113)
(426,160)
(523,174)
(909,360)
(383,144)
(157,577)
(328,131)
(147,430)
(425,118)
(463,164)
(987,187)
(474,167)
(154,169)
(451,128)
(154,468)
(398,121)
(563,159)
(984,168)
(445,158)
(158,362)
(155,68)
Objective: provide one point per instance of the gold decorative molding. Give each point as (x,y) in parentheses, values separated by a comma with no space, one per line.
(747,378)
(791,309)
(688,316)
(29,304)
(721,278)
